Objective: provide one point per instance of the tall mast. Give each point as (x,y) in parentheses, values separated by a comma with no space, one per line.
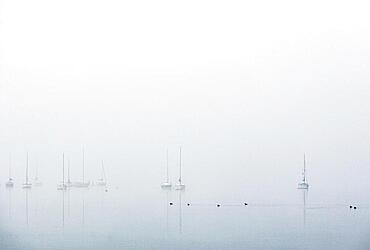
(37,170)
(180,167)
(103,171)
(27,169)
(304,168)
(63,170)
(167,165)
(10,166)
(83,165)
(69,179)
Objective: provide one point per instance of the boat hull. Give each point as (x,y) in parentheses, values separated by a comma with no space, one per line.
(166,185)
(180,186)
(27,185)
(303,186)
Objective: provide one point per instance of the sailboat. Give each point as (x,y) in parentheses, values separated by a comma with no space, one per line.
(83,183)
(62,186)
(167,183)
(304,183)
(37,182)
(10,182)
(27,184)
(69,183)
(103,180)
(180,185)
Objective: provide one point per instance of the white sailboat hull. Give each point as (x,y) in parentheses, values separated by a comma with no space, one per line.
(180,186)
(303,185)
(166,185)
(27,185)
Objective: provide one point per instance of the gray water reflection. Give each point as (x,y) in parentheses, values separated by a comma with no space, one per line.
(10,191)
(26,205)
(45,218)
(63,192)
(304,198)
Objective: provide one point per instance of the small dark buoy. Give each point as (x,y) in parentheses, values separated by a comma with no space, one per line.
(350,206)
(218,205)
(106,190)
(171,203)
(245,204)
(188,204)
(354,207)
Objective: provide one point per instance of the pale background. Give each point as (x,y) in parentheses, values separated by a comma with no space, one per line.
(245,87)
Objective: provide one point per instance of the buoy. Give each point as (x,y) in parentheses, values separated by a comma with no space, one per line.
(171,203)
(245,204)
(350,206)
(106,190)
(354,207)
(188,204)
(218,205)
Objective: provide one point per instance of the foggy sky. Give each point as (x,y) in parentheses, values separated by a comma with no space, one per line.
(245,87)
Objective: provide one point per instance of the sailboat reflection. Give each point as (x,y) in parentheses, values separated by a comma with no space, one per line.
(26,202)
(304,197)
(102,199)
(63,216)
(83,209)
(10,190)
(68,202)
(167,191)
(167,201)
(180,213)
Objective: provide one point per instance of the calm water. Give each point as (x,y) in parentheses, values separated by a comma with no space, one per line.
(123,218)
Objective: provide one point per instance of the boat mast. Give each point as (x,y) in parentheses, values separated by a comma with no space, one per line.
(27,169)
(103,171)
(37,171)
(10,166)
(167,180)
(63,170)
(69,179)
(304,168)
(180,167)
(83,165)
